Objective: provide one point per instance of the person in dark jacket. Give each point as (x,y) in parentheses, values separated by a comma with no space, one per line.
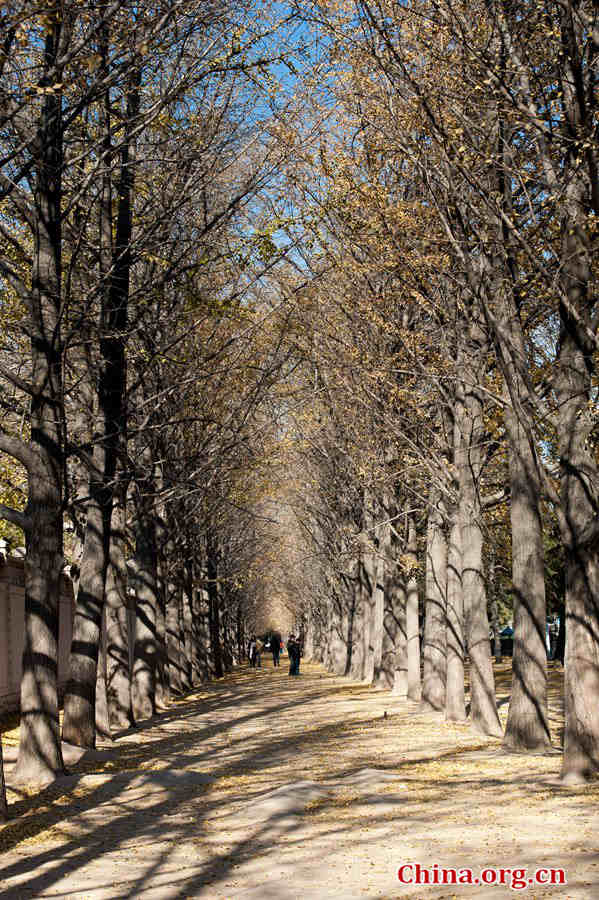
(293,651)
(275,647)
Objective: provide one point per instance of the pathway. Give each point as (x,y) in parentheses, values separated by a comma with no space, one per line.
(264,786)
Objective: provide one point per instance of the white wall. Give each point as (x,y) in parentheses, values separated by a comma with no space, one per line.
(12,623)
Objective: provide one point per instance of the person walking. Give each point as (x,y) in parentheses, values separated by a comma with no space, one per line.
(293,651)
(252,650)
(259,649)
(275,647)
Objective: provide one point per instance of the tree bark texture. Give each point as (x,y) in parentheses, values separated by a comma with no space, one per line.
(102,721)
(348,599)
(493,605)
(163,682)
(146,597)
(118,638)
(469,412)
(434,670)
(527,723)
(201,636)
(413,615)
(214,604)
(394,658)
(455,703)
(337,646)
(79,725)
(309,642)
(359,623)
(579,510)
(377,633)
(227,638)
(173,637)
(240,635)
(373,622)
(187,620)
(40,755)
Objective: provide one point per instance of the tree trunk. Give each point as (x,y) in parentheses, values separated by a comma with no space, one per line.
(215,645)
(579,491)
(397,627)
(434,670)
(204,626)
(118,639)
(80,698)
(144,653)
(347,599)
(163,680)
(394,657)
(309,643)
(187,617)
(581,687)
(359,623)
(577,402)
(493,606)
(482,683)
(201,637)
(101,709)
(318,654)
(40,755)
(527,723)
(413,615)
(377,634)
(373,599)
(214,610)
(113,391)
(455,703)
(173,643)
(227,637)
(240,635)
(337,648)
(79,723)
(472,361)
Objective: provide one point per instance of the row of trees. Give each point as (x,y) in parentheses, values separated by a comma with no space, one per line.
(449,334)
(137,351)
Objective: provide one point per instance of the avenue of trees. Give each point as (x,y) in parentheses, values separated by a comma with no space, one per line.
(136,348)
(341,255)
(449,333)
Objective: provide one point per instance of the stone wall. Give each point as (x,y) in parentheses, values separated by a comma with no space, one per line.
(12,622)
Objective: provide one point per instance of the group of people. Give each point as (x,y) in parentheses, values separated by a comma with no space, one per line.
(294,651)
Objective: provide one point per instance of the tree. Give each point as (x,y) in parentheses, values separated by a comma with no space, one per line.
(36,152)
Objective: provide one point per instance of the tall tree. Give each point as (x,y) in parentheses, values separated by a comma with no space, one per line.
(35,151)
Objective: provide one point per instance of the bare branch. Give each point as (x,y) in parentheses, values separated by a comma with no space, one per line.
(18,449)
(15,516)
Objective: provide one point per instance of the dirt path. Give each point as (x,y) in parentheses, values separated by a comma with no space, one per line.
(265,786)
